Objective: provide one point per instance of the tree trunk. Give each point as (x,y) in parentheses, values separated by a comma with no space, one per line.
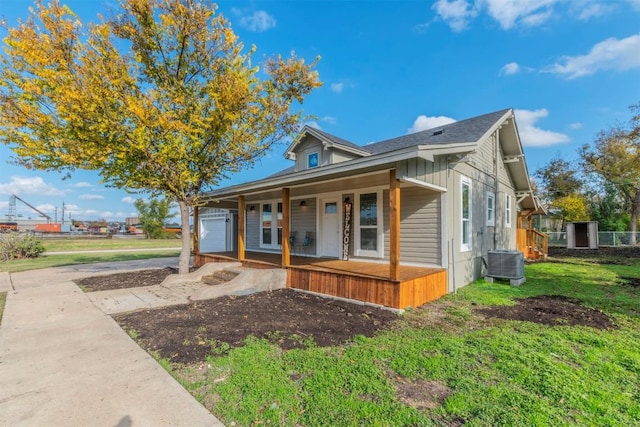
(185,252)
(635,214)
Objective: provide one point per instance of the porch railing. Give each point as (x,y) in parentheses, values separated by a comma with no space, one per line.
(532,243)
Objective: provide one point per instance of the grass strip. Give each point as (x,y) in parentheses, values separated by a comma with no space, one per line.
(46,261)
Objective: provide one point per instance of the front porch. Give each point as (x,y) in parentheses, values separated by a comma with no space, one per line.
(370,282)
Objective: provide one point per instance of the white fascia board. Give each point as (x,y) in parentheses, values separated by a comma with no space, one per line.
(423,184)
(427,152)
(346,148)
(316,173)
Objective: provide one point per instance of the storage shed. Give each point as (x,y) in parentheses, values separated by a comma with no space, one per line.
(582,235)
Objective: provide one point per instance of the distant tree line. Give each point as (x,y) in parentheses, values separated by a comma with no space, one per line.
(603,185)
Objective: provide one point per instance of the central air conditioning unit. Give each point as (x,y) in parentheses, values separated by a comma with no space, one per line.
(503,264)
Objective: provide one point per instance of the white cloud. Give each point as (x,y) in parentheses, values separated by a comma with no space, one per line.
(313,124)
(128,199)
(610,54)
(258,21)
(456,13)
(46,207)
(81,184)
(423,122)
(576,125)
(329,119)
(337,87)
(34,185)
(587,9)
(528,12)
(91,197)
(533,136)
(510,69)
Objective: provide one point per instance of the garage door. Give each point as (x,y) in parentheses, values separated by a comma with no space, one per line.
(213,235)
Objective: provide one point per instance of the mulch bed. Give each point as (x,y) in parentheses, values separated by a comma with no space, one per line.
(187,333)
(131,279)
(552,310)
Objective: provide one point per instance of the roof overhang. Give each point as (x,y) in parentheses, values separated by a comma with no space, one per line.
(352,167)
(289,153)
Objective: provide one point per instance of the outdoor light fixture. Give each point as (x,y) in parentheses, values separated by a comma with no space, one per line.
(303,203)
(252,208)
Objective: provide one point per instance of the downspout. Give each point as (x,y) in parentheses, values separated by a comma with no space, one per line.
(495,184)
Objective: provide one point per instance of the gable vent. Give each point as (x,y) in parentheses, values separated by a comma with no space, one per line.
(437,132)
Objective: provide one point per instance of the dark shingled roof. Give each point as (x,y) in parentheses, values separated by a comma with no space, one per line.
(469,130)
(287,171)
(337,140)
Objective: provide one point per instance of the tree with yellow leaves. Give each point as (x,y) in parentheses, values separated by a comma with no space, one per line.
(161,98)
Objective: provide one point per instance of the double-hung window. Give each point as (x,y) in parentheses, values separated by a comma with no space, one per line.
(465,211)
(507,210)
(369,224)
(491,209)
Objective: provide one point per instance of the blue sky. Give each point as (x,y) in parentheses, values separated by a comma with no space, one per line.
(568,67)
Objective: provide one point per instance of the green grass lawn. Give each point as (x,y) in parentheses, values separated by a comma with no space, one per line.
(80,244)
(152,250)
(46,261)
(471,370)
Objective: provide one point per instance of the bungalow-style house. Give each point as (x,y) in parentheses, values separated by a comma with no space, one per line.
(398,222)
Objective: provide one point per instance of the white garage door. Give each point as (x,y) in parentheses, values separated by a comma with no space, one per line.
(213,236)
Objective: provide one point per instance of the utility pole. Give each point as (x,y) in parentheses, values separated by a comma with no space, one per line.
(55,221)
(63,212)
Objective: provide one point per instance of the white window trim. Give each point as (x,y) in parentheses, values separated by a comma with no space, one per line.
(274,224)
(466,247)
(507,210)
(309,154)
(491,222)
(380,226)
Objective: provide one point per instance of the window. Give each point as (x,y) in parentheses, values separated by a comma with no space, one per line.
(491,209)
(266,224)
(368,226)
(271,224)
(466,207)
(279,224)
(507,210)
(312,160)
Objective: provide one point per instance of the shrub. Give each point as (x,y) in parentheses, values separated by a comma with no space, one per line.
(18,246)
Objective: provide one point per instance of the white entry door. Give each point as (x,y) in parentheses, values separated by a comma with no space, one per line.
(330,228)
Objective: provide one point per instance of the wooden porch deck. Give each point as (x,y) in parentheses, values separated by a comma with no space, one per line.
(359,280)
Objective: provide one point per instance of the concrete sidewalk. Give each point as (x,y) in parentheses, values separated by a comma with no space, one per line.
(64,362)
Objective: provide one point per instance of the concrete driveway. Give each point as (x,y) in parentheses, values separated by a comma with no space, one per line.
(65,362)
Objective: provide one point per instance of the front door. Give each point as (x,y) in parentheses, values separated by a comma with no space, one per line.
(330,228)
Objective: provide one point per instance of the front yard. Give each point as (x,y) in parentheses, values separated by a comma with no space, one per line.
(573,358)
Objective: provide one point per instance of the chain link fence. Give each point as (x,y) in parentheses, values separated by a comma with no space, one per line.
(605,238)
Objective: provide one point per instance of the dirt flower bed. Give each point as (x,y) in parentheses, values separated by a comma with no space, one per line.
(292,319)
(552,310)
(131,279)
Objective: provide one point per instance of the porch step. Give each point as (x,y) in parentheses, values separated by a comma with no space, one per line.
(220,277)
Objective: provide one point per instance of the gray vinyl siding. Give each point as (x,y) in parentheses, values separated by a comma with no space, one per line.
(420,227)
(303,220)
(484,157)
(341,156)
(307,146)
(252,229)
(416,168)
